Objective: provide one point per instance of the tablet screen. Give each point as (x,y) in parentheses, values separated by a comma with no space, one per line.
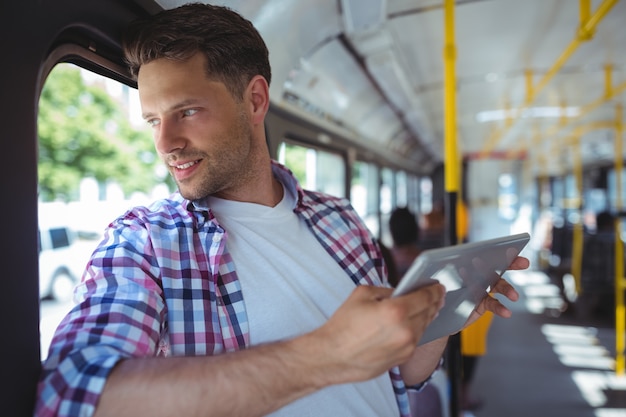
(467,271)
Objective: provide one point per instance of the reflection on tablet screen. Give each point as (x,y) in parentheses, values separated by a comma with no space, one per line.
(449,277)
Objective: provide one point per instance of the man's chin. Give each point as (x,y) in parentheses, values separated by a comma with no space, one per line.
(191,193)
(190,196)
(187,192)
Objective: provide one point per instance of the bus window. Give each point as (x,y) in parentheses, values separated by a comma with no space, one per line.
(401,189)
(557,191)
(315,169)
(425,195)
(616,200)
(507,197)
(95,159)
(388,198)
(572,200)
(413,194)
(364,194)
(387,191)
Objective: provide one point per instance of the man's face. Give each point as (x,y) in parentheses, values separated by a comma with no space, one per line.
(200,131)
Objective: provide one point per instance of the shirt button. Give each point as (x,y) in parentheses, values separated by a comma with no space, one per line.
(217,238)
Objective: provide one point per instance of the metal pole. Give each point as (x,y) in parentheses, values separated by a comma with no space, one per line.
(577,239)
(451,174)
(620,281)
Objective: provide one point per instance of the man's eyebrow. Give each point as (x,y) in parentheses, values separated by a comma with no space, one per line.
(175,107)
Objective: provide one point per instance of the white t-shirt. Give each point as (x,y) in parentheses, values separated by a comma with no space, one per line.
(291,286)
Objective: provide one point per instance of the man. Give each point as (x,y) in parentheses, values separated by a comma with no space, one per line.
(404,234)
(242,295)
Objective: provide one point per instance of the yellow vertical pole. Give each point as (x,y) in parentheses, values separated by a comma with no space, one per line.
(618,164)
(451,183)
(620,280)
(450,145)
(608,81)
(577,243)
(584,11)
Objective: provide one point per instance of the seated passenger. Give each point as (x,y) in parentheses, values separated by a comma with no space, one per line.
(404,233)
(598,269)
(432,233)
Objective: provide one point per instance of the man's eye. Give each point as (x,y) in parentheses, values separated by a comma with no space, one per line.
(189,112)
(153,122)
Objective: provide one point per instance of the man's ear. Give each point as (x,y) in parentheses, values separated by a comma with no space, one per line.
(258,94)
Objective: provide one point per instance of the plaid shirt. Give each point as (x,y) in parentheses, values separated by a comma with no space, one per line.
(163,283)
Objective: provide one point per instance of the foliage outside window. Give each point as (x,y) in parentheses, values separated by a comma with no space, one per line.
(315,169)
(84,132)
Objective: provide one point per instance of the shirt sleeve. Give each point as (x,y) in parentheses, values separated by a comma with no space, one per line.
(120,313)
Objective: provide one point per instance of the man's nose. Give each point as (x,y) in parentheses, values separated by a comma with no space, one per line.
(169,137)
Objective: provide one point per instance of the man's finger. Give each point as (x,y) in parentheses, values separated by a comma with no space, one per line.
(520,263)
(432,295)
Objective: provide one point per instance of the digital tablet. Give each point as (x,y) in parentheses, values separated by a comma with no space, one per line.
(467,270)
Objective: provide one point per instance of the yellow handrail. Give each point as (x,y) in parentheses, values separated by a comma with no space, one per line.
(577,238)
(610,92)
(452,177)
(620,280)
(450,142)
(587,27)
(620,310)
(551,133)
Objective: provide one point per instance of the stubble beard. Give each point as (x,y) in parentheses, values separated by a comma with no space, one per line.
(226,169)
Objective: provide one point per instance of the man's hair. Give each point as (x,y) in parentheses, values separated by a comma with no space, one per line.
(233,48)
(403,227)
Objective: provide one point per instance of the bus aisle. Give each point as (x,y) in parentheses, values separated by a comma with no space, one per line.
(545,363)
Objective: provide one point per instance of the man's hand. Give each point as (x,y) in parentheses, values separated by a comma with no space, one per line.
(371,332)
(490,303)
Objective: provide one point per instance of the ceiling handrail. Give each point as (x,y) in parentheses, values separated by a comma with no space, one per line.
(585,32)
(610,93)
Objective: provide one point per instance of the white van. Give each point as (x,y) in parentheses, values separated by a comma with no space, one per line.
(62,261)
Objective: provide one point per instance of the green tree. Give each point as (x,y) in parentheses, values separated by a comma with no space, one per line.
(295,160)
(84,132)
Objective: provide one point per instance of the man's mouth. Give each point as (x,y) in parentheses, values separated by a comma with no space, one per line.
(186,165)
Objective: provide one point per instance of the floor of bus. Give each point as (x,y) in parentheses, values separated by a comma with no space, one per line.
(546,362)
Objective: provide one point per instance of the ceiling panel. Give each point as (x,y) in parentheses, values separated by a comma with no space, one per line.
(379,70)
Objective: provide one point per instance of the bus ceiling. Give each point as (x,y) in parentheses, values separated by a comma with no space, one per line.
(529,75)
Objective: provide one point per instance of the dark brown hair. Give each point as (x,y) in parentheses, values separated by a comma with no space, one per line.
(403,227)
(234,49)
